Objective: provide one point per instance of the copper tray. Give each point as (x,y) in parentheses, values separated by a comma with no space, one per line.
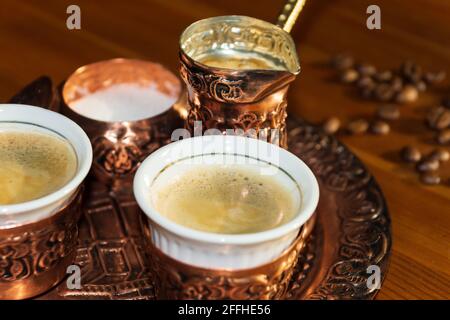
(352,230)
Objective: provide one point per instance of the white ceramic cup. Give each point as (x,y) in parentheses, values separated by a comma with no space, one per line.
(35,119)
(224,251)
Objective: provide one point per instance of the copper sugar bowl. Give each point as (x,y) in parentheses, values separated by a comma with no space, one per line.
(250,98)
(120,146)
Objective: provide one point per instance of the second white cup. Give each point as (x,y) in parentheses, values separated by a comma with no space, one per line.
(224,251)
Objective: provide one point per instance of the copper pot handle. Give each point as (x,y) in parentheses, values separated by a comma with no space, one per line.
(289,14)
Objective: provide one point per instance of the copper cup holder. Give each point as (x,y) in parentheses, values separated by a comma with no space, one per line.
(176,280)
(34,257)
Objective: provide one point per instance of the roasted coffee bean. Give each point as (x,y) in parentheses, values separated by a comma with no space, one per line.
(443,122)
(331,126)
(411,71)
(397,83)
(349,76)
(421,86)
(411,154)
(443,137)
(366,69)
(407,95)
(433,115)
(294,132)
(414,78)
(383,92)
(383,76)
(408,67)
(342,61)
(388,112)
(380,128)
(428,165)
(365,82)
(440,155)
(358,126)
(430,178)
(438,118)
(434,77)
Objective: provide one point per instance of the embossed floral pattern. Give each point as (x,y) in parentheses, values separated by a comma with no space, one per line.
(35,252)
(172,282)
(120,150)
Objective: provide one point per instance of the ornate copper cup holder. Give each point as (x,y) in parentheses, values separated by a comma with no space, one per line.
(177,280)
(352,229)
(35,256)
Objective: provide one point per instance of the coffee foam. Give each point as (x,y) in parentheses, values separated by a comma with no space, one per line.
(225,199)
(33,164)
(240,60)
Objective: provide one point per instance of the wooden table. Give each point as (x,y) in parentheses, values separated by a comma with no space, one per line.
(35,41)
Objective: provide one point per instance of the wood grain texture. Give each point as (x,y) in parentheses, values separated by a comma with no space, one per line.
(35,41)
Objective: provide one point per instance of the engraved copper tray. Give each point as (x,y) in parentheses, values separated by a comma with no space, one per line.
(352,230)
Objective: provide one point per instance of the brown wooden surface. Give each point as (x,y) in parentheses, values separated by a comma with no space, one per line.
(35,41)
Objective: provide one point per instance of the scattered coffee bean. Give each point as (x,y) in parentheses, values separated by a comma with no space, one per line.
(438,118)
(434,77)
(411,71)
(433,115)
(439,155)
(331,126)
(366,69)
(428,165)
(430,178)
(397,84)
(407,95)
(342,61)
(380,128)
(443,137)
(358,126)
(421,86)
(383,76)
(383,92)
(349,76)
(388,112)
(365,82)
(444,121)
(411,154)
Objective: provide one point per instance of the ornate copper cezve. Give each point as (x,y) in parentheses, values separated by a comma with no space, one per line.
(253,101)
(119,147)
(34,257)
(352,229)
